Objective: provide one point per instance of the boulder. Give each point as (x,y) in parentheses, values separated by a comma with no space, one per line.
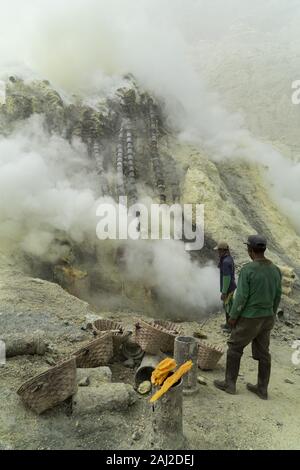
(105,397)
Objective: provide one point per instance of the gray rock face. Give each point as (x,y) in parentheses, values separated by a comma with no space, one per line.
(105,397)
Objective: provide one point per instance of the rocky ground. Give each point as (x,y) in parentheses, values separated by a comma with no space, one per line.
(212,419)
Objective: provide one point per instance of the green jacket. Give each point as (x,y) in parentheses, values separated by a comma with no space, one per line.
(258,292)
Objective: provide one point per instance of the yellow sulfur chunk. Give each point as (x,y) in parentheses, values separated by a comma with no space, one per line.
(162,371)
(172,380)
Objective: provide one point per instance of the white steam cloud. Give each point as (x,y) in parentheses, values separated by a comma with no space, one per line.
(169,45)
(45,190)
(166,267)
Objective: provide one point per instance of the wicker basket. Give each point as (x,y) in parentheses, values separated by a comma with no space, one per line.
(96,353)
(119,334)
(152,337)
(208,355)
(50,388)
(172,330)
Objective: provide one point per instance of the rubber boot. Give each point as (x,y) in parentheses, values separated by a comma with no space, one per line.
(231,374)
(261,388)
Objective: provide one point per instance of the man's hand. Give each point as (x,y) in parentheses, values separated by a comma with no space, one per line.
(223,297)
(232,322)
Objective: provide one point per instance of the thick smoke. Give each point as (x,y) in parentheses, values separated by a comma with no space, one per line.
(46,189)
(173,49)
(166,267)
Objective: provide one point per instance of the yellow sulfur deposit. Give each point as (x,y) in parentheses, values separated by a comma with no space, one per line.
(73,273)
(170,381)
(162,371)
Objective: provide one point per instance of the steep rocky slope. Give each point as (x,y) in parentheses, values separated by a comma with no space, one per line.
(131,151)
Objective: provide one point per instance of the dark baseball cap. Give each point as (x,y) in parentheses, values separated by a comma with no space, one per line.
(256,241)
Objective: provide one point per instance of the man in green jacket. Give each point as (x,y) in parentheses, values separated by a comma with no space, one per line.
(252,317)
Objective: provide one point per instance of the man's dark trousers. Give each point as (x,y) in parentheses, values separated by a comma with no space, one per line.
(256,331)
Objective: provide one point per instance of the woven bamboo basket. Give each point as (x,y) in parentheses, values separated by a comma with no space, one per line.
(172,330)
(50,388)
(208,355)
(118,332)
(96,353)
(152,337)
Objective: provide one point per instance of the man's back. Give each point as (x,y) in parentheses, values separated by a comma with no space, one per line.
(259,290)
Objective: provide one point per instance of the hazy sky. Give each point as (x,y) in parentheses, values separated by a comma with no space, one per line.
(111,35)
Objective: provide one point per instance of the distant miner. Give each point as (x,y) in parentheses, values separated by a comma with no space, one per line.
(227,279)
(252,317)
